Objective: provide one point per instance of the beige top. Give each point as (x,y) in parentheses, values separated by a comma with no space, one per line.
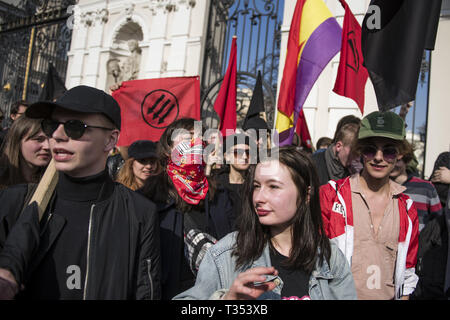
(374,256)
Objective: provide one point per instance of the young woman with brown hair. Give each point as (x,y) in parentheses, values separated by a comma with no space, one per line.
(280,250)
(26,153)
(141,164)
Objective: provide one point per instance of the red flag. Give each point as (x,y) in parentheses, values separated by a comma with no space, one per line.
(352,75)
(225,104)
(149,106)
(303,131)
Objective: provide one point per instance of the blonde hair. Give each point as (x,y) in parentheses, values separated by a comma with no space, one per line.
(126,175)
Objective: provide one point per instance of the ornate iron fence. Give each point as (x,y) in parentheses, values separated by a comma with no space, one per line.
(32,34)
(257,25)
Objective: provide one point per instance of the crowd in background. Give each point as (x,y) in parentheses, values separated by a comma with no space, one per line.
(349,220)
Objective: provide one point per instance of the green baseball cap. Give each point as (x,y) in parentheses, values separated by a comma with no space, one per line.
(386,124)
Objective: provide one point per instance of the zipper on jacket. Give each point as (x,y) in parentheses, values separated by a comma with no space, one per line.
(46,224)
(149,274)
(88,253)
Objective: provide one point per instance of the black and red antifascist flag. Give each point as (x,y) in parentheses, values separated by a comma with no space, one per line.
(352,75)
(149,106)
(394,36)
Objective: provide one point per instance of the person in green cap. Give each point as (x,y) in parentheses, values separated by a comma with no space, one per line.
(370,218)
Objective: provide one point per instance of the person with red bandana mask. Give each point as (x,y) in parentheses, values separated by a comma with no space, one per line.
(193,213)
(370,218)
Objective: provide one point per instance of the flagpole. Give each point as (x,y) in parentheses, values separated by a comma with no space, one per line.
(27,71)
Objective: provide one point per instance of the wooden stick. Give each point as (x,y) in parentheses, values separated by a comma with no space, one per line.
(45,188)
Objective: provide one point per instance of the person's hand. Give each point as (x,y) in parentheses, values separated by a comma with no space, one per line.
(115,86)
(243,287)
(213,158)
(441,175)
(8,285)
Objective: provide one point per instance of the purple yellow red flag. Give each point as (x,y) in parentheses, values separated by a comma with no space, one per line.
(314,39)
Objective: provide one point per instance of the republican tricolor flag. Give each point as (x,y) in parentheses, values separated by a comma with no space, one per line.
(314,39)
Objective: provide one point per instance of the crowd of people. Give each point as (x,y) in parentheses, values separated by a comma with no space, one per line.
(158,220)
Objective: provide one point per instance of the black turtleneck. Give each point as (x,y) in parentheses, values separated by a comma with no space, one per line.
(62,272)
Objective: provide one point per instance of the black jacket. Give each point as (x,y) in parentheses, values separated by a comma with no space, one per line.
(321,166)
(214,218)
(123,249)
(433,265)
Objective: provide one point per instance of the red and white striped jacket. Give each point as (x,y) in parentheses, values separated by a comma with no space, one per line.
(337,215)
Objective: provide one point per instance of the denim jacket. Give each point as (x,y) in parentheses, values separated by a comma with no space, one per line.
(217,273)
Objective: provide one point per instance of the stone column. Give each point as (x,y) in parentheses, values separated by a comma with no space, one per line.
(152,64)
(94,47)
(82,22)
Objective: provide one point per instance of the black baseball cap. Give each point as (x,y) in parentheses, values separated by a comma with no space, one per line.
(142,149)
(81,99)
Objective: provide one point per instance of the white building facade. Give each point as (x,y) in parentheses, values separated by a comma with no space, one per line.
(171,36)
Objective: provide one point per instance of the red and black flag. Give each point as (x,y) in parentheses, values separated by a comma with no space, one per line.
(394,36)
(352,75)
(53,87)
(149,106)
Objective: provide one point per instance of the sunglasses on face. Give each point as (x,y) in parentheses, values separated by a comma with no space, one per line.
(240,152)
(390,153)
(74,129)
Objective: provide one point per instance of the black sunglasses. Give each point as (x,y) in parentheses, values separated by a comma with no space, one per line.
(389,152)
(74,129)
(240,152)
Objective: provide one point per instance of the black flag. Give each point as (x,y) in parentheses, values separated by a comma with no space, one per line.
(53,86)
(252,119)
(394,36)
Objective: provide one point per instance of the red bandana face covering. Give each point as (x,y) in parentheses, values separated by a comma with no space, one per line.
(186,168)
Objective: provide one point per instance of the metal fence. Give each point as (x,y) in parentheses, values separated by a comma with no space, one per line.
(257,25)
(32,35)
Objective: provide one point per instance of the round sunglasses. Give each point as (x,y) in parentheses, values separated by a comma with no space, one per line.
(390,153)
(74,129)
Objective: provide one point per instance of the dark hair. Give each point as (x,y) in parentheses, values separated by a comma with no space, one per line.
(324,141)
(407,152)
(343,121)
(160,188)
(347,133)
(309,240)
(15,107)
(12,156)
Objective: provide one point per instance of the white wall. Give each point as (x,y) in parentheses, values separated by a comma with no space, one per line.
(438,126)
(172,44)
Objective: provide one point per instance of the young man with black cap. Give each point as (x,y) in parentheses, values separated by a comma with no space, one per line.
(97,239)
(367,215)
